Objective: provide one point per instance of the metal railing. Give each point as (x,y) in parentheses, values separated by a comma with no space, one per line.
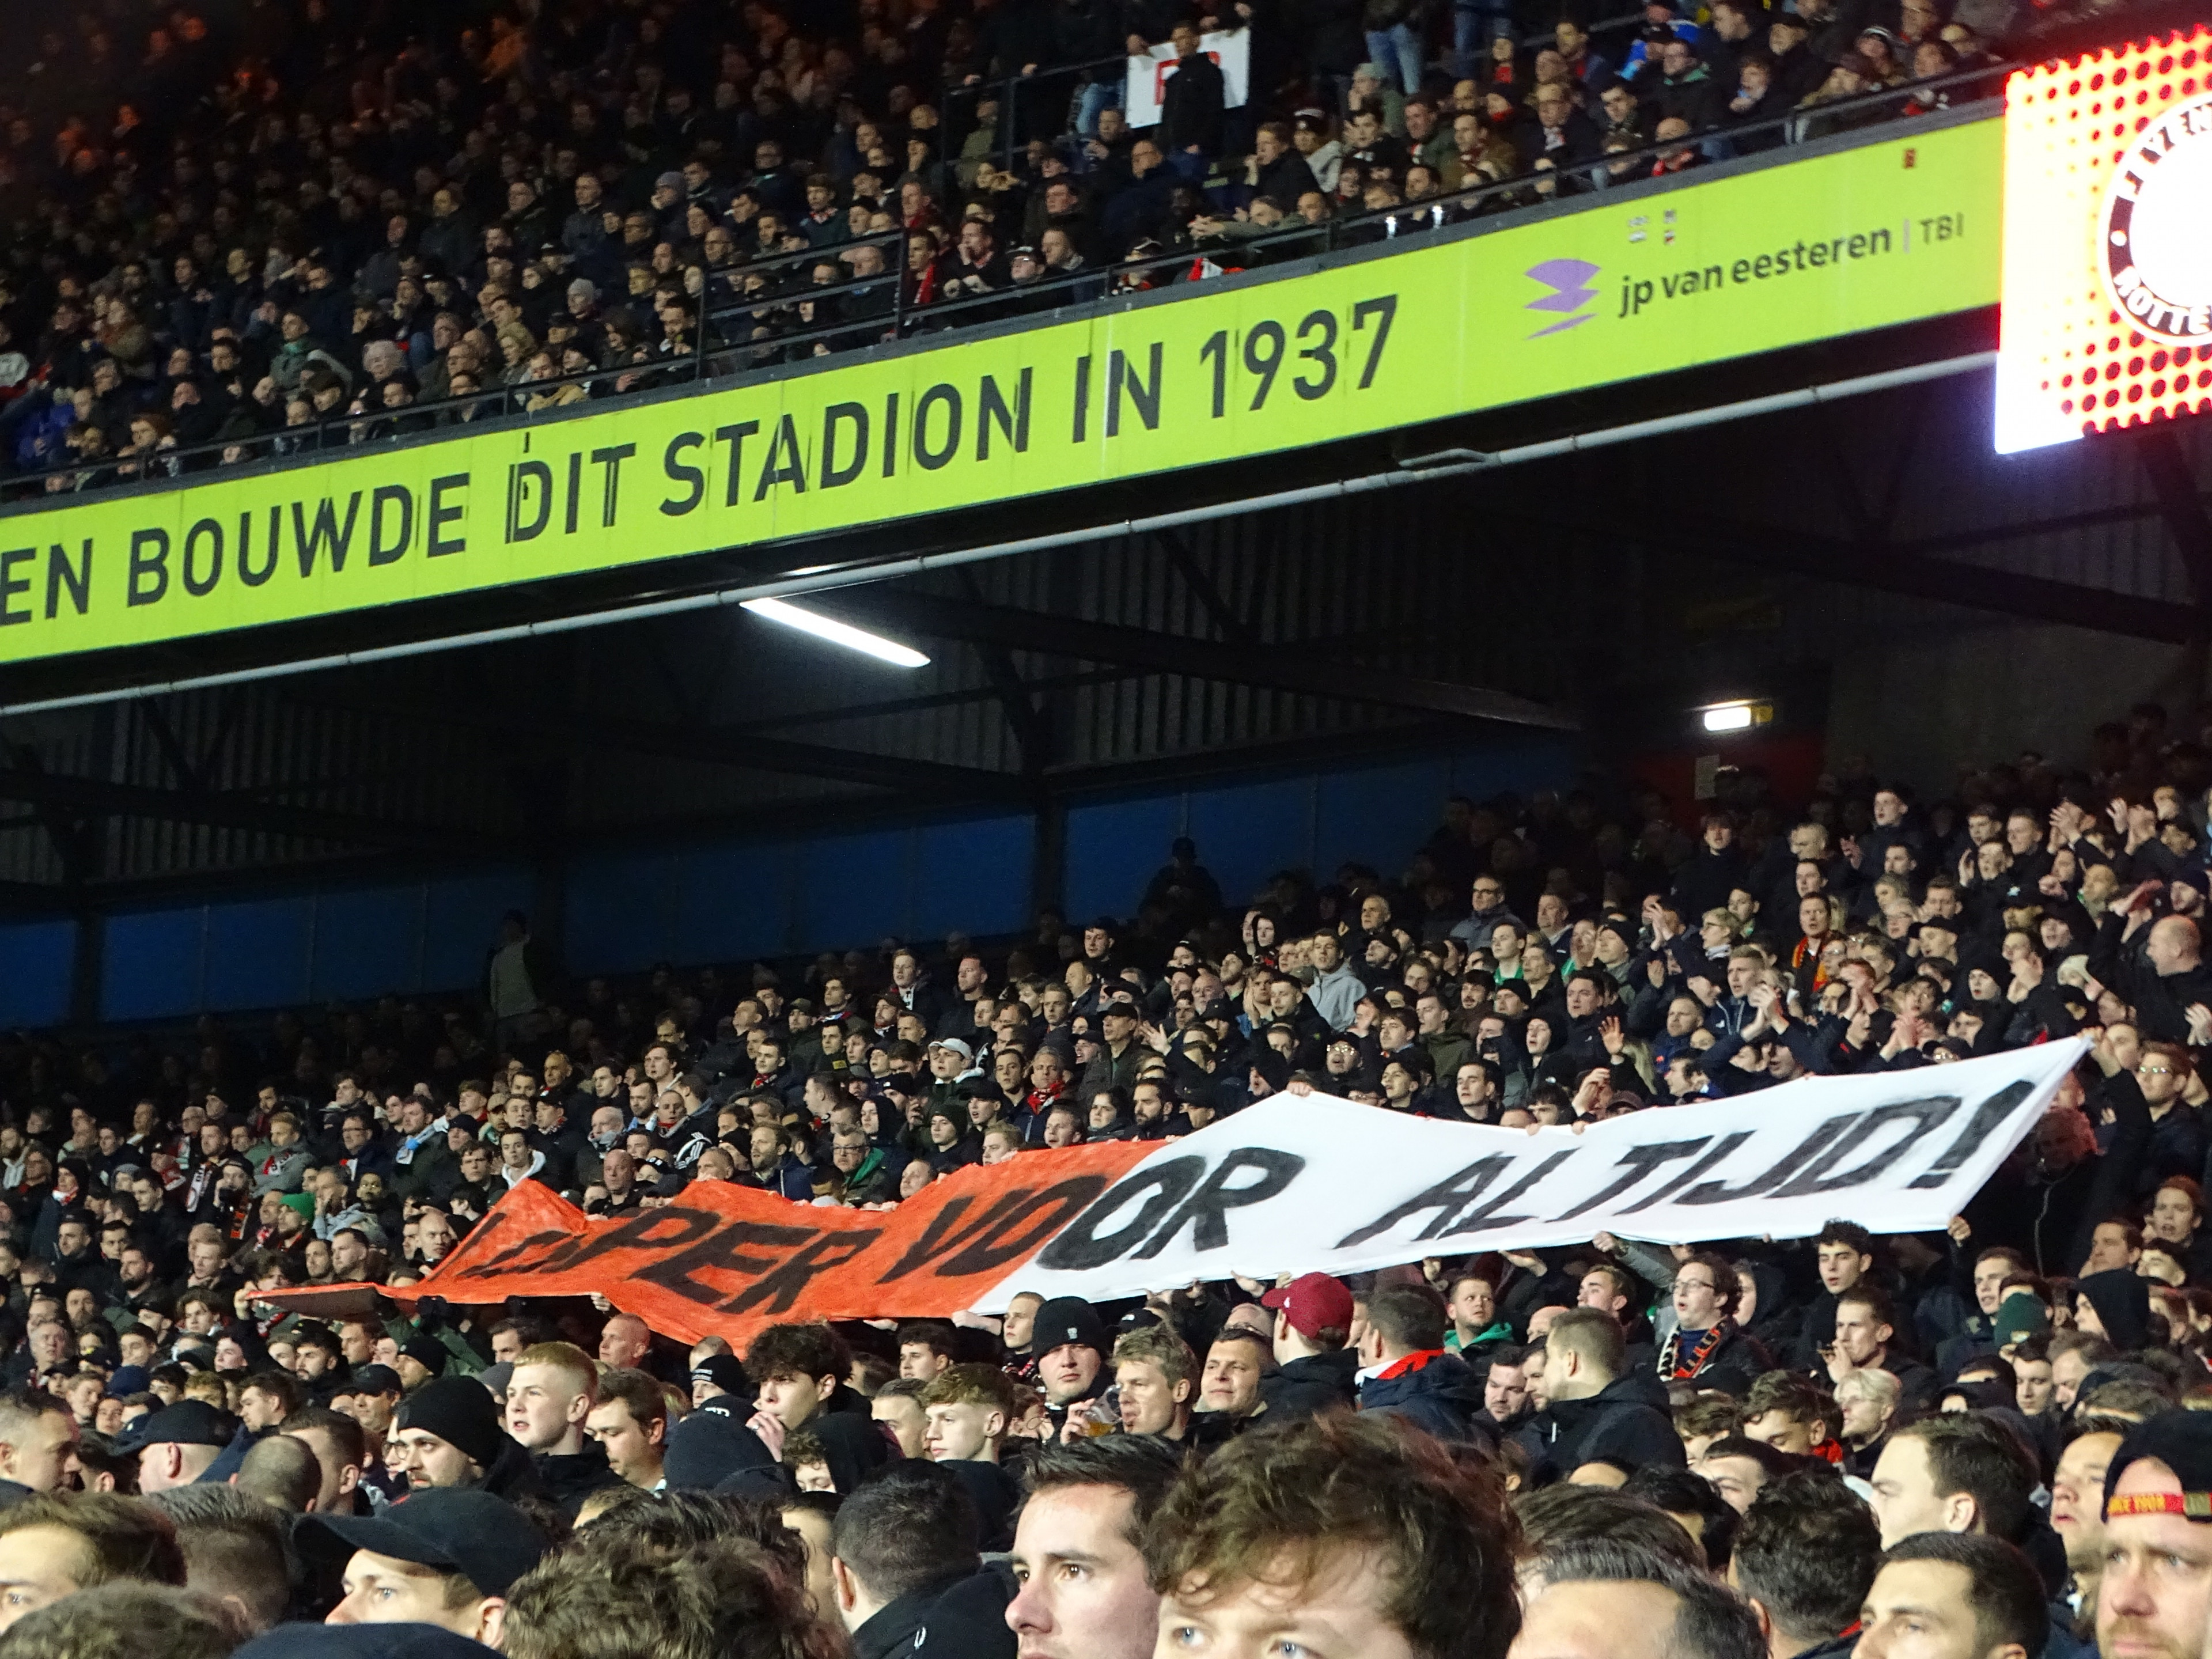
(878,309)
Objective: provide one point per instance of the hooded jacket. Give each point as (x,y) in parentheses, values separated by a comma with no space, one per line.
(2122,1300)
(964,1615)
(1336,993)
(854,1445)
(1434,1390)
(513,1475)
(1615,1422)
(1311,1385)
(570,1480)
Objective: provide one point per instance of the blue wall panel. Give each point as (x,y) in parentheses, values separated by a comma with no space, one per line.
(1113,849)
(851,890)
(150,965)
(735,902)
(1377,816)
(35,962)
(368,942)
(973,877)
(257,954)
(619,909)
(1520,764)
(461,923)
(1247,833)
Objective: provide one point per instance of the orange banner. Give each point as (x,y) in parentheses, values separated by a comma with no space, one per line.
(725,1260)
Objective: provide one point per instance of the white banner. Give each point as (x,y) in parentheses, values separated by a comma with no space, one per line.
(1148,76)
(1312,1183)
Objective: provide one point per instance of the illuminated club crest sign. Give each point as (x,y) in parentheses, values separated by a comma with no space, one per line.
(2157,228)
(2107,282)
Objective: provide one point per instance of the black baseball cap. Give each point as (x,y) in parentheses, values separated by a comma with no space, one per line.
(361,1642)
(187,1423)
(485,1539)
(377,1379)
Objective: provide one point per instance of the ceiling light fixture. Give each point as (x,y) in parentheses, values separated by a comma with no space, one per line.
(837,632)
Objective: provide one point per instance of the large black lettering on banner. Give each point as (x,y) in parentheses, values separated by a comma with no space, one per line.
(1171,1197)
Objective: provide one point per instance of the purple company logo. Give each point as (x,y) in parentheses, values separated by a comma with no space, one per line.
(1569,282)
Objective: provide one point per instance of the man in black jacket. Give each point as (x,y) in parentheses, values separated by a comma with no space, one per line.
(38,1446)
(2166,978)
(1407,1371)
(1591,1408)
(1706,882)
(1193,105)
(909,1573)
(1845,1252)
(1314,1368)
(1866,1340)
(1276,169)
(552,1390)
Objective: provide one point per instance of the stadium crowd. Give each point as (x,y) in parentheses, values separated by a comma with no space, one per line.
(1991,1442)
(245,227)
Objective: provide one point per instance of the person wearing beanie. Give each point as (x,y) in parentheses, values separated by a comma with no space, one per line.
(450,1437)
(1069,1342)
(420,1358)
(719,1384)
(2155,1592)
(711,1451)
(953,1144)
(2019,1317)
(2114,1304)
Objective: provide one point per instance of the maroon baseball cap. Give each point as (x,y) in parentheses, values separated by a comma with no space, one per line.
(1313,1303)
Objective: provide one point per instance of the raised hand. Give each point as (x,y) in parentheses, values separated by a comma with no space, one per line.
(769,1427)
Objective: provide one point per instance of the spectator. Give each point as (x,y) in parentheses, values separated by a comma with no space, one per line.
(1589,1408)
(1957,1473)
(1409,1374)
(237,1551)
(39,1439)
(1939,1593)
(52,1545)
(449,1436)
(1194,101)
(448,1558)
(550,1398)
(1646,1605)
(1088,1506)
(1804,1558)
(1329,1526)
(906,1557)
(125,1619)
(1315,1368)
(629,1422)
(179,1443)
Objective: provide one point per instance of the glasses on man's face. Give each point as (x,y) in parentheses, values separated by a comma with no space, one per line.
(1695,1285)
